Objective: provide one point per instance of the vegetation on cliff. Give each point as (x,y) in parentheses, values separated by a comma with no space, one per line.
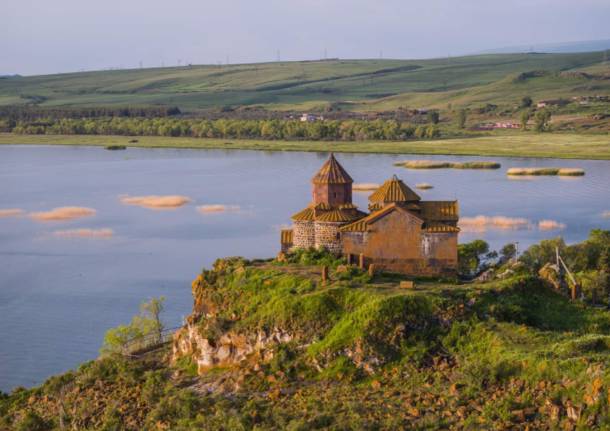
(270,345)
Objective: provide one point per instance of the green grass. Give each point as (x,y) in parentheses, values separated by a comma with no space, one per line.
(386,84)
(505,92)
(564,146)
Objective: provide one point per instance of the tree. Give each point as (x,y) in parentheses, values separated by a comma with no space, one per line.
(525,117)
(526,102)
(432,132)
(469,257)
(150,315)
(541,120)
(433,117)
(539,254)
(508,252)
(462,115)
(147,322)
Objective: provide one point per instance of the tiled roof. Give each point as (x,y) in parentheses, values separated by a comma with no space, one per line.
(286,236)
(433,227)
(307,214)
(440,210)
(332,172)
(322,206)
(339,215)
(314,213)
(334,216)
(362,224)
(394,190)
(357,226)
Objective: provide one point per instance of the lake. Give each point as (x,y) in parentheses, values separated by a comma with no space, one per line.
(59,293)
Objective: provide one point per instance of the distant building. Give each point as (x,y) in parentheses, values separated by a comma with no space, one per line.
(401,233)
(498,125)
(309,118)
(506,125)
(551,102)
(585,100)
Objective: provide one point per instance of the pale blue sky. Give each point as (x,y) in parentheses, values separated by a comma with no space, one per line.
(48,36)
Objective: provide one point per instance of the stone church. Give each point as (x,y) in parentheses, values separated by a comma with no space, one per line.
(401,233)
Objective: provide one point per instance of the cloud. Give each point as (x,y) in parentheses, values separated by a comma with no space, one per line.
(606,214)
(156,202)
(11,212)
(364,187)
(550,225)
(207,209)
(424,186)
(84,233)
(63,213)
(482,223)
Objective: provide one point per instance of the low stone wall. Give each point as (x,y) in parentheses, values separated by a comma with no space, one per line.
(421,267)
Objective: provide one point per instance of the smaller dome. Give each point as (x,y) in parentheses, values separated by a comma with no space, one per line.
(394,190)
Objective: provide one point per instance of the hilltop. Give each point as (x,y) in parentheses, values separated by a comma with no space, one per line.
(357,85)
(269,345)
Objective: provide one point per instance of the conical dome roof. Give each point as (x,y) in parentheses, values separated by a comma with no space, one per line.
(394,190)
(332,172)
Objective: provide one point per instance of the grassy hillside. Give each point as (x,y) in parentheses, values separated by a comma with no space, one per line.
(300,85)
(506,91)
(270,346)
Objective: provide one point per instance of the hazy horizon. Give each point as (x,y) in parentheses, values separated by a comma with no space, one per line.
(68,36)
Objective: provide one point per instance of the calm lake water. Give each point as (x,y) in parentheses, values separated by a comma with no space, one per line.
(58,295)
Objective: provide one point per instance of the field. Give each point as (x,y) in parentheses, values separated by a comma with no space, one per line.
(355,85)
(565,146)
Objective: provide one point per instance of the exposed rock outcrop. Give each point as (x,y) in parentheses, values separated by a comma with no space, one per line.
(229,349)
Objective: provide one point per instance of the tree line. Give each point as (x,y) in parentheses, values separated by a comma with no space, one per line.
(30,113)
(343,130)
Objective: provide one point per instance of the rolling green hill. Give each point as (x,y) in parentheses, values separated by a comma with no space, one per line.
(358,84)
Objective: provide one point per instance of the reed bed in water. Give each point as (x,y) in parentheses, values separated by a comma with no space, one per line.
(571,172)
(440,164)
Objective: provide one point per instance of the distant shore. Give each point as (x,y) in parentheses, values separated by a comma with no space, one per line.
(546,145)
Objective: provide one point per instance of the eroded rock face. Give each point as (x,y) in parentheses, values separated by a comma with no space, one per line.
(206,344)
(229,349)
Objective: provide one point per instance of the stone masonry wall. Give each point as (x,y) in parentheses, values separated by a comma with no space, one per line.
(327,235)
(303,234)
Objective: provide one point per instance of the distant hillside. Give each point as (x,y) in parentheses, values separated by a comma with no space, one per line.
(308,85)
(563,47)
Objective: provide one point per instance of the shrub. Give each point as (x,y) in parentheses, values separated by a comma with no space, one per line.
(31,421)
(526,102)
(313,256)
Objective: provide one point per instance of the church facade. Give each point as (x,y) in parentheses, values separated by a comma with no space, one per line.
(401,233)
